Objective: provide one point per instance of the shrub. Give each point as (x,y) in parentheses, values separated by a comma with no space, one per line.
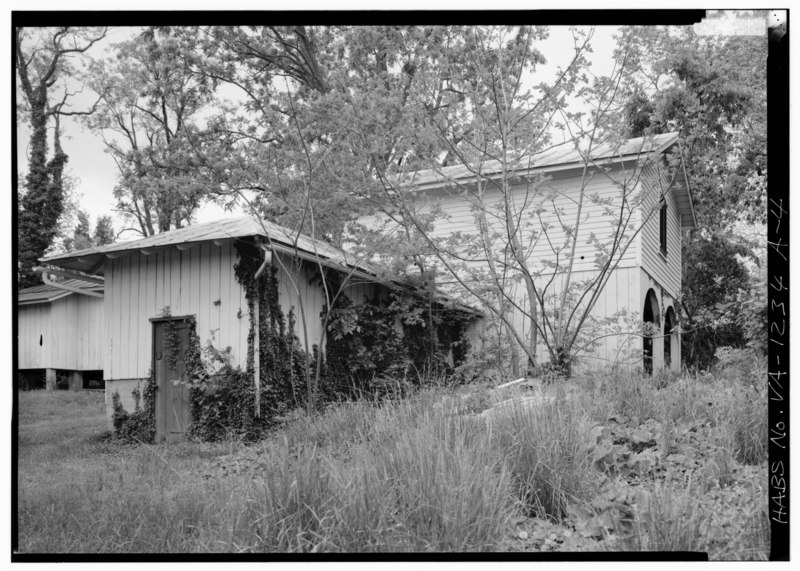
(744,366)
(364,349)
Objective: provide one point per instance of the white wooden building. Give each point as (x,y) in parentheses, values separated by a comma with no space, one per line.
(643,177)
(190,272)
(61,329)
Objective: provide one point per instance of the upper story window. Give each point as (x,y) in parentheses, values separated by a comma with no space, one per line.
(662,227)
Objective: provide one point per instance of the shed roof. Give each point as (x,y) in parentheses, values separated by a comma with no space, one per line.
(47,293)
(561,157)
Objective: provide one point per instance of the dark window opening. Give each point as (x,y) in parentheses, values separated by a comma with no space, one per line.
(669,326)
(93,380)
(662,227)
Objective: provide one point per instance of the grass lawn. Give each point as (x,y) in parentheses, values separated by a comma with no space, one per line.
(596,463)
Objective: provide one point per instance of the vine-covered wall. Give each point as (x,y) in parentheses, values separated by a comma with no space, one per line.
(281,359)
(388,342)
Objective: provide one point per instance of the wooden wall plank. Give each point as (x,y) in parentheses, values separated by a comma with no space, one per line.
(215,277)
(144,349)
(175,296)
(34,322)
(194,278)
(137,316)
(128,317)
(203,313)
(108,315)
(227,310)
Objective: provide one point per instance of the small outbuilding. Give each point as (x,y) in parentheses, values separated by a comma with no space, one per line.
(156,285)
(61,332)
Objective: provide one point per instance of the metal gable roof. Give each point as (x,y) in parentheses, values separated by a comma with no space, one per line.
(91,260)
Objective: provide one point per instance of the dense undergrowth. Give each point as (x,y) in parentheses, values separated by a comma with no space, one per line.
(594,463)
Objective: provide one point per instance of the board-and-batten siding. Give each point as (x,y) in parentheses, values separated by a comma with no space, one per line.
(197,281)
(71,330)
(666,270)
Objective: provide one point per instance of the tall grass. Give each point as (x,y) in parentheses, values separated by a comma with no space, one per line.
(669,522)
(401,475)
(435,485)
(547,450)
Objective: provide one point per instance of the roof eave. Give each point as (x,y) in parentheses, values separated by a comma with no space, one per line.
(529,171)
(692,218)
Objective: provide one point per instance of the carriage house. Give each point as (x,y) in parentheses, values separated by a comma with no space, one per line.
(60,332)
(189,275)
(557,193)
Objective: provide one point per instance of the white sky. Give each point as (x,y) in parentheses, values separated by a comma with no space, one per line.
(96,171)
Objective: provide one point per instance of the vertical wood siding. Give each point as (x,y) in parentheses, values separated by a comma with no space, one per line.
(34,322)
(189,282)
(72,333)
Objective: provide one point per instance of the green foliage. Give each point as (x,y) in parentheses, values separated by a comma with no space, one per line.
(147,116)
(222,398)
(382,349)
(81,237)
(713,91)
(138,426)
(364,345)
(42,62)
(104,231)
(223,404)
(724,306)
(81,233)
(281,359)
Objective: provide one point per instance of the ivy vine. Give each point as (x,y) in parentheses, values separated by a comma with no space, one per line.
(139,425)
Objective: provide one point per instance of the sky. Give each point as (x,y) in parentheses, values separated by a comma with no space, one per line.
(96,173)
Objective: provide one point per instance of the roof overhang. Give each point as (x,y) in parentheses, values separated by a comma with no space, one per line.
(271,236)
(683,195)
(52,290)
(557,159)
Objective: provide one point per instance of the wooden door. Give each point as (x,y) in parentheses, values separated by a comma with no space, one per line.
(172,399)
